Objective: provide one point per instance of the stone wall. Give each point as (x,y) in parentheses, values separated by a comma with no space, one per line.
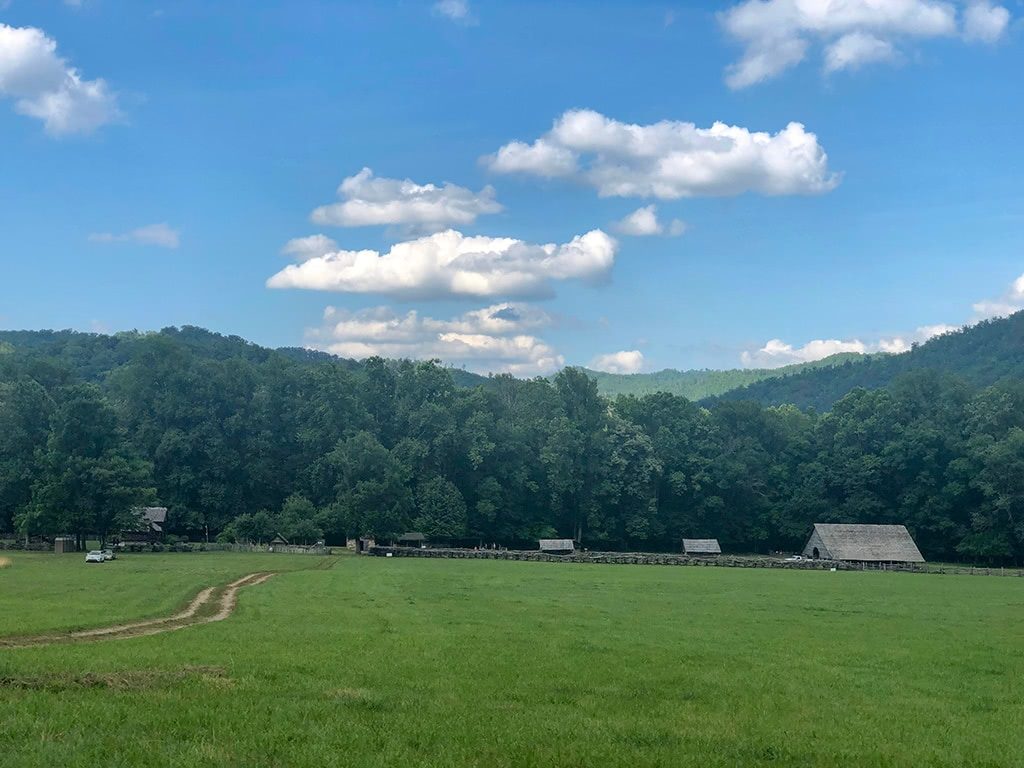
(620,558)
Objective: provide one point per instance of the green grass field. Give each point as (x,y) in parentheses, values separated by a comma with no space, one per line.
(43,592)
(392,662)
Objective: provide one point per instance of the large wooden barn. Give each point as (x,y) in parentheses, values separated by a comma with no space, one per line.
(862,544)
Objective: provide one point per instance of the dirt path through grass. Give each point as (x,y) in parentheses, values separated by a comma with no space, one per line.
(211,604)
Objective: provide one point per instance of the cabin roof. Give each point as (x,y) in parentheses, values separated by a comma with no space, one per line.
(869,543)
(557,544)
(154,514)
(702,547)
(150,519)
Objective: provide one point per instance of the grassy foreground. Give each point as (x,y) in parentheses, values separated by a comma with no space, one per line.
(472,663)
(40,592)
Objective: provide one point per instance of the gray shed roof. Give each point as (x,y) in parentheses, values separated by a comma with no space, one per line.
(868,543)
(557,545)
(151,518)
(412,536)
(154,514)
(702,547)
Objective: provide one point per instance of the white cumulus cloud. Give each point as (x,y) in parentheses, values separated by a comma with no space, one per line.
(776,34)
(541,158)
(626,361)
(448,264)
(671,159)
(153,234)
(644,222)
(44,86)
(495,339)
(367,200)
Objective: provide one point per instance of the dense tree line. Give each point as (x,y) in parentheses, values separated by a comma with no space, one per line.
(244,442)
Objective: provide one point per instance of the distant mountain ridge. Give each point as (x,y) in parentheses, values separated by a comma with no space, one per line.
(981,354)
(93,355)
(698,384)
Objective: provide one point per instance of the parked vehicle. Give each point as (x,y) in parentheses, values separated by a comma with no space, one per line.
(95,556)
(109,554)
(794,559)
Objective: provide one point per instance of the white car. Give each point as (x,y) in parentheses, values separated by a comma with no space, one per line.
(794,559)
(108,554)
(95,556)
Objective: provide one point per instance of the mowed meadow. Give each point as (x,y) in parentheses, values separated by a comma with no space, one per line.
(385,662)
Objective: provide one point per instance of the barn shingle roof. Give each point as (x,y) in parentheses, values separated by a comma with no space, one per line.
(702,547)
(151,518)
(154,514)
(869,543)
(556,545)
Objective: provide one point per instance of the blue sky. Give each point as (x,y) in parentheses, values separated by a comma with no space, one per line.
(165,194)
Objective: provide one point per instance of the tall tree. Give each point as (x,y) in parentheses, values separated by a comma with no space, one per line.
(89,481)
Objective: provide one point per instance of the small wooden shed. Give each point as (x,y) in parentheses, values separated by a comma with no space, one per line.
(701,547)
(278,539)
(364,544)
(63,544)
(557,546)
(412,539)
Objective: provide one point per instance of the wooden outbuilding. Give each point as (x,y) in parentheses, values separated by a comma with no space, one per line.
(862,543)
(557,546)
(701,547)
(150,525)
(364,544)
(412,539)
(63,544)
(278,539)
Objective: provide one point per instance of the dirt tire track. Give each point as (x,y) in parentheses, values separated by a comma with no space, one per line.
(198,611)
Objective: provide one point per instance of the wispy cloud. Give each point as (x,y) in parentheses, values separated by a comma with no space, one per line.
(497,339)
(367,200)
(777,34)
(1011,300)
(160,235)
(644,222)
(455,10)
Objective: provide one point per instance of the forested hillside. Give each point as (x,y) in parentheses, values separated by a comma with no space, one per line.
(698,384)
(980,354)
(243,442)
